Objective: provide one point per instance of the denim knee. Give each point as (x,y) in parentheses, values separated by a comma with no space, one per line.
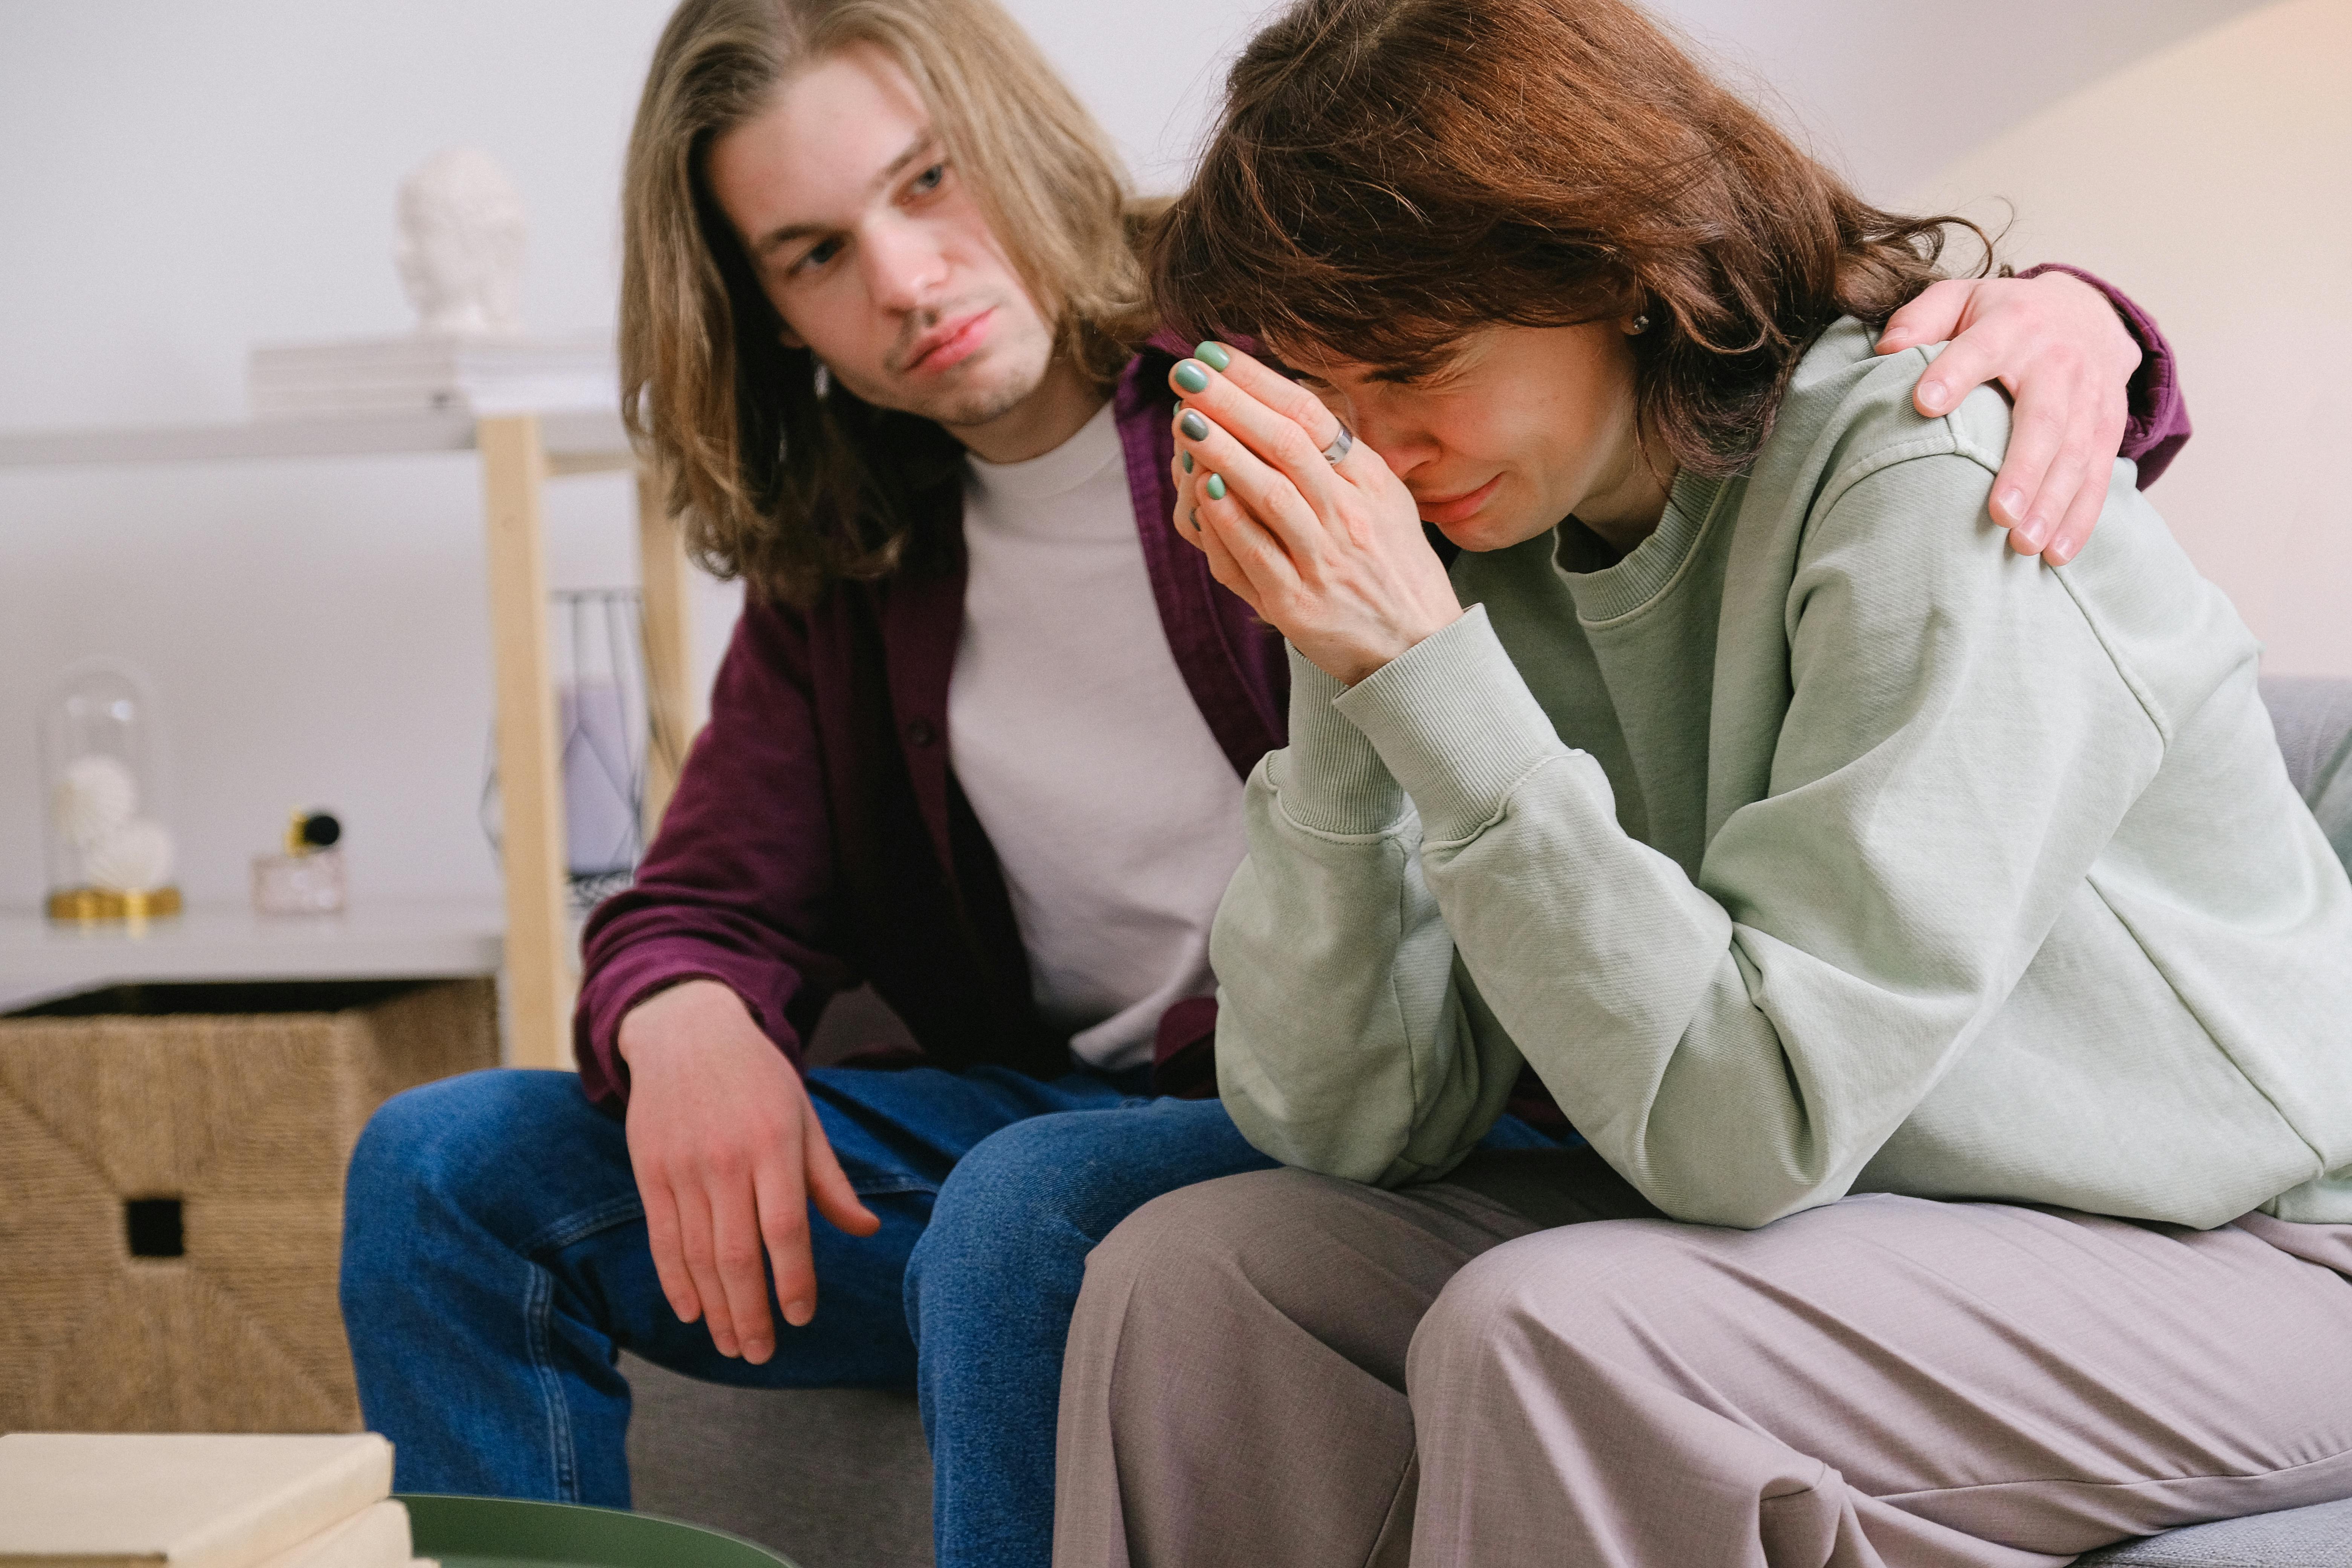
(445,1149)
(1030,1196)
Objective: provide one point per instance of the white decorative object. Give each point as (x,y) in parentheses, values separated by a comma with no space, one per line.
(459,253)
(460,248)
(110,851)
(96,794)
(135,858)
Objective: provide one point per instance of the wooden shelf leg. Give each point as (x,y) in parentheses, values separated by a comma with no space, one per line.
(662,577)
(539,960)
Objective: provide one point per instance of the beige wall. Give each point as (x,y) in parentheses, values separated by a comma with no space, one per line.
(2214,182)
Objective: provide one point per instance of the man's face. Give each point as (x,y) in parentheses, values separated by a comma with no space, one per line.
(871,246)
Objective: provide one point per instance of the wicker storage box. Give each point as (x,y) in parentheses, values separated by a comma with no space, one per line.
(171,1167)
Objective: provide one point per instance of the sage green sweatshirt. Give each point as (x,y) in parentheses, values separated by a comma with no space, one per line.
(1820,845)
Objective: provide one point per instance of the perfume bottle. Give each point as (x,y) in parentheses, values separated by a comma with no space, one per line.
(308,878)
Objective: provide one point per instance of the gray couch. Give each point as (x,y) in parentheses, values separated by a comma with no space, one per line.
(839,1478)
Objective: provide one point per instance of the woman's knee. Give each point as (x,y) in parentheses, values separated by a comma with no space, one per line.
(1211,1228)
(1578,1288)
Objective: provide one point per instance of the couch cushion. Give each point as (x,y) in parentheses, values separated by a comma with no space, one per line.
(2315,1537)
(2313,716)
(831,1477)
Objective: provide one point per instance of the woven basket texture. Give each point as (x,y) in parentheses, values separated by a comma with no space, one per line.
(249,1122)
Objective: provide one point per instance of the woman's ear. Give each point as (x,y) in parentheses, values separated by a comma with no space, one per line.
(1636,325)
(790,339)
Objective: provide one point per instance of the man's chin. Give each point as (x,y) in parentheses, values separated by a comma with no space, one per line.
(977,405)
(980,390)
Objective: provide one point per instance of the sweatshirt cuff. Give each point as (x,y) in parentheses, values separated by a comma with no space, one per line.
(1331,779)
(1454,721)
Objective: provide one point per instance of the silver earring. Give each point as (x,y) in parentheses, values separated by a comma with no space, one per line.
(1641,324)
(824,381)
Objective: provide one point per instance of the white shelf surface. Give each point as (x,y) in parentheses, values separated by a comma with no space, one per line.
(574,438)
(378,940)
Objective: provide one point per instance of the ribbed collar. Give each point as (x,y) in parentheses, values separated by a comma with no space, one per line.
(1651,569)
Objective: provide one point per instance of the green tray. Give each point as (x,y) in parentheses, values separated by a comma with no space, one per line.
(502,1533)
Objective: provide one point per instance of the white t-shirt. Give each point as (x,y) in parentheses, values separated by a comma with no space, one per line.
(1114,813)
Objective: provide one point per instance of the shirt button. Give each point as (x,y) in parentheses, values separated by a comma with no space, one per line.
(920,733)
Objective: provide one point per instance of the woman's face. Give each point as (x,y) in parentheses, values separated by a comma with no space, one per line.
(1522,427)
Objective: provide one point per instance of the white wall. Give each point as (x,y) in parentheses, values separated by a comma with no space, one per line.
(2213,176)
(178,181)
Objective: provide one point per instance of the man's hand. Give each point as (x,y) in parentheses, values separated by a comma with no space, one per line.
(728,1155)
(2067,358)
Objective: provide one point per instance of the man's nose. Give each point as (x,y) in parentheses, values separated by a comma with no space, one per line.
(905,270)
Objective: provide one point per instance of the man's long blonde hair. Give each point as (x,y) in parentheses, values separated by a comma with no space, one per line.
(775,484)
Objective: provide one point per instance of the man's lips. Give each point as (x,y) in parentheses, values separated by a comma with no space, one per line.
(949,343)
(1456,509)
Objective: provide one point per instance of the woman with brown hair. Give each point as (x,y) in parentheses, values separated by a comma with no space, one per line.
(1925,940)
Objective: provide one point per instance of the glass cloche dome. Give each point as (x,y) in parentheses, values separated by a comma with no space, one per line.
(111,853)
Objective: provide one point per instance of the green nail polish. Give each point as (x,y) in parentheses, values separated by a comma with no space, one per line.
(1216,487)
(1216,355)
(1188,462)
(1193,375)
(1193,426)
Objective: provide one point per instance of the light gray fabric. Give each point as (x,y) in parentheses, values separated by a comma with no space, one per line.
(2313,716)
(2315,1537)
(832,1478)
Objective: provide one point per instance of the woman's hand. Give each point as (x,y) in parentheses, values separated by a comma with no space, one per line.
(2067,358)
(1332,556)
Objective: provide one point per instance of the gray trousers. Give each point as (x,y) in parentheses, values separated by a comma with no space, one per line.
(1526,1365)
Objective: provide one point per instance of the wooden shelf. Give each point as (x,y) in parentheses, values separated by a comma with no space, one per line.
(577,441)
(384,940)
(518,452)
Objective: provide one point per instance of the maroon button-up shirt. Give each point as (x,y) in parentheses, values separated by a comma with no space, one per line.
(818,840)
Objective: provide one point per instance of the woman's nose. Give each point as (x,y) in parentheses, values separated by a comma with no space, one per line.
(1401,445)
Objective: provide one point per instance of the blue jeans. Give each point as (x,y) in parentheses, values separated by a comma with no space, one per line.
(495,1264)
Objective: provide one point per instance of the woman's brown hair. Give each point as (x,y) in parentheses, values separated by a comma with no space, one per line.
(777,484)
(1389,175)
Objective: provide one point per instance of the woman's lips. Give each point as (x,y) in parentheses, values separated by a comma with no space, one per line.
(1457,508)
(944,350)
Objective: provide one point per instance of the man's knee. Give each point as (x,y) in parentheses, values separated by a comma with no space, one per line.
(1022,1193)
(427,1147)
(1040,1178)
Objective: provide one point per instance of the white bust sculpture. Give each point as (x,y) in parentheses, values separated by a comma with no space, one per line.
(460,245)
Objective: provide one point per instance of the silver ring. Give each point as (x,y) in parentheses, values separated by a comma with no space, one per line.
(1342,444)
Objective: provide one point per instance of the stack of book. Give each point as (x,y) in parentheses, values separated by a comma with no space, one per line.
(91,1500)
(421,374)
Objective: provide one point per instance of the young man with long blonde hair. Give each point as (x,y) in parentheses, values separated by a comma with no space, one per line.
(980,743)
